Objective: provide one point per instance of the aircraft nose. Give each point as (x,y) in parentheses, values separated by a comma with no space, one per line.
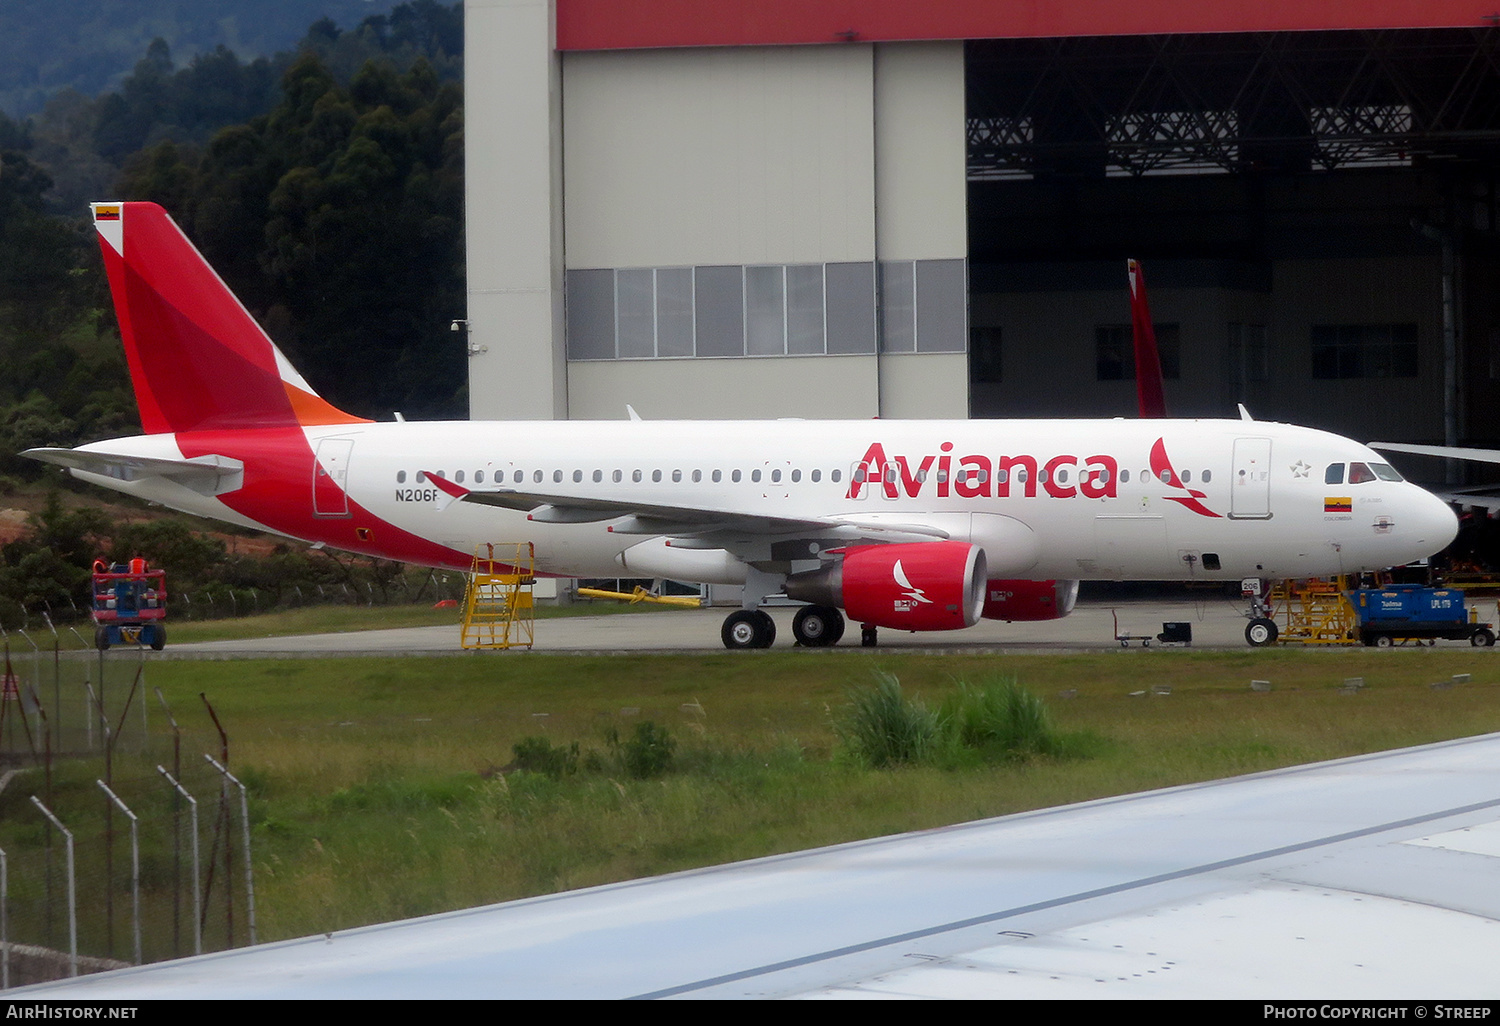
(1435,523)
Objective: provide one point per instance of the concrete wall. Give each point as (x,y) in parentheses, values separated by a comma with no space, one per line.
(751,157)
(513,201)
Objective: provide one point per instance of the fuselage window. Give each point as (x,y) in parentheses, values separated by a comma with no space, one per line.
(459,477)
(1359,473)
(520,475)
(1208,475)
(834,476)
(1102,475)
(537,477)
(479,477)
(697,476)
(401,477)
(1166,477)
(1124,477)
(1062,475)
(557,477)
(817,475)
(1334,474)
(617,476)
(734,475)
(655,475)
(577,476)
(776,476)
(718,476)
(635,475)
(755,475)
(1187,475)
(443,474)
(598,476)
(1021,475)
(796,476)
(676,476)
(1002,475)
(1386,472)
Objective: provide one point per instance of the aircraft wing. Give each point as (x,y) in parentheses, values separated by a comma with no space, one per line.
(1452,452)
(1356,879)
(1480,495)
(208,475)
(690,521)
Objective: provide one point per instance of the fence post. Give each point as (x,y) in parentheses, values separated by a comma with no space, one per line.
(197,898)
(135,867)
(72,889)
(245,823)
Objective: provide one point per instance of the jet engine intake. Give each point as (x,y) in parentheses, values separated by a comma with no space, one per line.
(915,586)
(1029,600)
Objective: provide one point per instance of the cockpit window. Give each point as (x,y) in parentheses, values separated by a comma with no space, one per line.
(1385,472)
(1334,474)
(1359,473)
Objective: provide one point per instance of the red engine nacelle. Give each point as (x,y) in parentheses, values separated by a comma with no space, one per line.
(1029,600)
(916,586)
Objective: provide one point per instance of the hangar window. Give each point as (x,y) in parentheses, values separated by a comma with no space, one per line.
(1364,351)
(1114,351)
(1173,142)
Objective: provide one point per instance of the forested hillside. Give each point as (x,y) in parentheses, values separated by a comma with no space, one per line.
(324,183)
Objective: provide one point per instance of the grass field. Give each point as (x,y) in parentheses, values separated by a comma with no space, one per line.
(379,785)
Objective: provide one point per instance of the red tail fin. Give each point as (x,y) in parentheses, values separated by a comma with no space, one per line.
(1148,387)
(197,358)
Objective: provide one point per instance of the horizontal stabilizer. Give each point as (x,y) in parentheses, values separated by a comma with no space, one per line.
(207,475)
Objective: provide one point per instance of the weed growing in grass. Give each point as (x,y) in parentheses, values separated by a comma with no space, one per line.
(647,754)
(540,755)
(883,727)
(996,721)
(1000,720)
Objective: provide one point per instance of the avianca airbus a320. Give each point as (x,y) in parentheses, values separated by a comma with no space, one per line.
(911,525)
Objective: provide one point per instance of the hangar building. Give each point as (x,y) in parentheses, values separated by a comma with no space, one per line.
(858,208)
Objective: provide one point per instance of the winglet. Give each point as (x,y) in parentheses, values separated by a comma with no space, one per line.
(1149,395)
(1244,413)
(633,415)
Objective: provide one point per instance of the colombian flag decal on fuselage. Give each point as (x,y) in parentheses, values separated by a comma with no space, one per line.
(1338,505)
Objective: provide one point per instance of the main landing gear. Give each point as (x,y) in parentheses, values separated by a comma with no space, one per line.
(813,627)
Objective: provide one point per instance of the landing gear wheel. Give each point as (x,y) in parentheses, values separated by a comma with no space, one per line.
(1261,632)
(867,636)
(748,628)
(818,626)
(1482,638)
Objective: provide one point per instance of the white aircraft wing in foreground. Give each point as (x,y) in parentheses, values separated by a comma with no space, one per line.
(1376,877)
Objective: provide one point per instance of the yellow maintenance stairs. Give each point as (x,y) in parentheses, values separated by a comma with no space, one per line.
(1315,612)
(498,604)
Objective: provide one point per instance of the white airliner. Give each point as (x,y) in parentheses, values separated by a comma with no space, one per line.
(910,525)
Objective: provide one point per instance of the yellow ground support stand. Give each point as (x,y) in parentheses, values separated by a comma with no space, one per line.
(1315,612)
(643,595)
(498,604)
